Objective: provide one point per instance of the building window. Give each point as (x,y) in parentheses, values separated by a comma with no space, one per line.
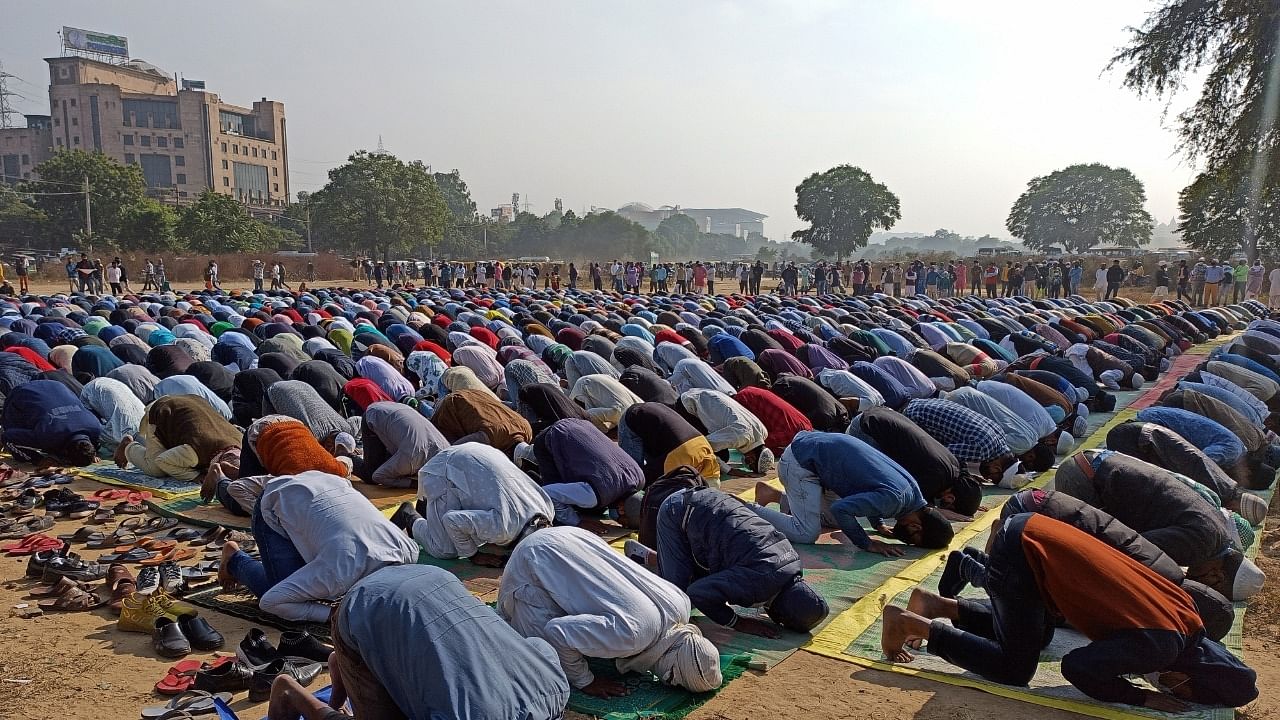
(178,143)
(75,139)
(128,158)
(275,187)
(273,155)
(59,142)
(26,159)
(224,147)
(235,149)
(275,171)
(255,152)
(75,120)
(73,102)
(145,140)
(182,179)
(226,182)
(182,194)
(128,139)
(162,142)
(57,122)
(225,166)
(179,160)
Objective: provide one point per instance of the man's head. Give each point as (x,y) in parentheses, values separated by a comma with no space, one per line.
(1210,674)
(994,470)
(963,497)
(798,607)
(1039,458)
(81,451)
(690,660)
(925,528)
(1231,574)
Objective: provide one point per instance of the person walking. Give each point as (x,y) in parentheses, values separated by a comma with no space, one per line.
(1115,276)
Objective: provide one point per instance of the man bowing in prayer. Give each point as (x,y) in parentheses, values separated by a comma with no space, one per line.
(568,587)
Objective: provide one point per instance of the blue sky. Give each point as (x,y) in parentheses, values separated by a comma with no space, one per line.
(954,105)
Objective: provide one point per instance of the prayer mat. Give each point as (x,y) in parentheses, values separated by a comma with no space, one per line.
(192,510)
(244,605)
(1182,365)
(648,698)
(165,488)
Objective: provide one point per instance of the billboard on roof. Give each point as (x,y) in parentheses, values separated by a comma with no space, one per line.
(96,42)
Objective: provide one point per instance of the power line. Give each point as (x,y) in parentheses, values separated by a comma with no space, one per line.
(6,110)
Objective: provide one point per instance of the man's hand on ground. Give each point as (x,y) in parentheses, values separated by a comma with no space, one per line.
(1164,703)
(752,626)
(602,688)
(885,549)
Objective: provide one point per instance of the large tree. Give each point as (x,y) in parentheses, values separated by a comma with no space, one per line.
(677,236)
(843,206)
(147,226)
(1234,46)
(1081,206)
(115,190)
(21,224)
(216,223)
(381,205)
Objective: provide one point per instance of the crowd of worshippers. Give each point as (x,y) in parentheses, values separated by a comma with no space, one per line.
(522,417)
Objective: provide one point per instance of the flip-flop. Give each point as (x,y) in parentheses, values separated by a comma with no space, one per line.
(62,587)
(129,508)
(181,534)
(189,703)
(73,601)
(172,554)
(157,524)
(82,534)
(102,515)
(197,575)
(135,555)
(182,675)
(111,541)
(148,543)
(108,494)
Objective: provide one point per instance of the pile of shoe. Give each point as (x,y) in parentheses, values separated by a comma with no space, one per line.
(68,580)
(258,663)
(176,628)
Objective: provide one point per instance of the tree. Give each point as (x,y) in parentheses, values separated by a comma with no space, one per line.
(147,226)
(843,206)
(1234,46)
(382,205)
(456,195)
(1081,206)
(766,254)
(677,236)
(115,190)
(20,222)
(216,223)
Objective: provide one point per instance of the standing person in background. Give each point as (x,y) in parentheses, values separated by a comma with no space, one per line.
(711,278)
(1030,279)
(857,278)
(991,278)
(615,272)
(1115,276)
(757,272)
(889,280)
(744,278)
(1014,284)
(1253,284)
(909,279)
(1212,278)
(597,282)
(1273,300)
(113,277)
(961,278)
(22,267)
(573,277)
(1197,282)
(149,276)
(1227,282)
(1100,281)
(1241,279)
(790,277)
(1162,281)
(1004,278)
(161,278)
(1074,277)
(1055,279)
(1184,279)
(259,274)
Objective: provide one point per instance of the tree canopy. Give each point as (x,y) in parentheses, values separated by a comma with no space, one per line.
(843,206)
(1230,128)
(217,223)
(382,205)
(114,191)
(1081,206)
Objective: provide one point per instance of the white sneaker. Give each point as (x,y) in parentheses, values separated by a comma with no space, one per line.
(636,551)
(766,463)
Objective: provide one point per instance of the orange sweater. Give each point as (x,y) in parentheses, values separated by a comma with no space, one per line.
(288,448)
(1098,589)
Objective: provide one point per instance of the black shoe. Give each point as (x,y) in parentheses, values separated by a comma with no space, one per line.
(256,650)
(302,644)
(297,668)
(37,563)
(201,634)
(73,568)
(28,500)
(405,516)
(168,639)
(232,677)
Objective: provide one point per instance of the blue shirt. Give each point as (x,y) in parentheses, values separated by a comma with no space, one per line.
(879,489)
(1213,274)
(1220,444)
(441,653)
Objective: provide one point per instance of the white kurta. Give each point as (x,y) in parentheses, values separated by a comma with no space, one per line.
(604,398)
(693,373)
(1022,405)
(667,354)
(729,425)
(845,384)
(568,587)
(474,496)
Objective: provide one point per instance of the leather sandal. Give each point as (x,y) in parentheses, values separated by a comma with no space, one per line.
(73,600)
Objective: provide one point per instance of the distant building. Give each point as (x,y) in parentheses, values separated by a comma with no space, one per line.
(738,222)
(503,213)
(186,141)
(21,149)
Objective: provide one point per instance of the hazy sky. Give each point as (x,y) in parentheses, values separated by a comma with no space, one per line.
(954,105)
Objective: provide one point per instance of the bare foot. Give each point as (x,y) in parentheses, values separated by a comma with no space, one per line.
(225,578)
(209,483)
(898,627)
(928,605)
(767,494)
(122,461)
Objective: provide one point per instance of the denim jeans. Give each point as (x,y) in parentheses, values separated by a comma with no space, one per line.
(280,559)
(999,639)
(228,502)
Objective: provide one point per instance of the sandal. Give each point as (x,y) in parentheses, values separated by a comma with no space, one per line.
(129,508)
(83,534)
(189,703)
(157,524)
(62,587)
(182,676)
(102,515)
(148,543)
(27,526)
(135,555)
(108,494)
(181,534)
(210,536)
(74,600)
(32,544)
(172,554)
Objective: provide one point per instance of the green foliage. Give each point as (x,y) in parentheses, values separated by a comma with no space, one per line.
(115,190)
(1081,206)
(147,226)
(381,205)
(216,224)
(1233,45)
(456,195)
(766,254)
(843,206)
(20,222)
